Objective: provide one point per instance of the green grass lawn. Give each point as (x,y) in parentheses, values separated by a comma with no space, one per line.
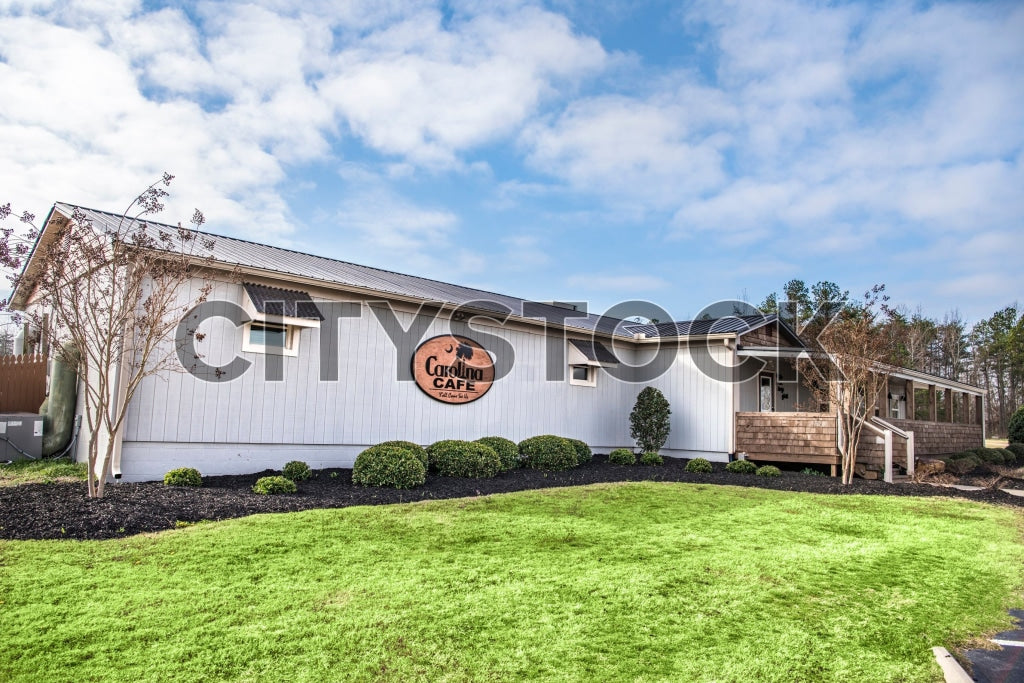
(41,472)
(640,581)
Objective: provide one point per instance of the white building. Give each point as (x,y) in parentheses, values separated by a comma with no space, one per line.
(311,358)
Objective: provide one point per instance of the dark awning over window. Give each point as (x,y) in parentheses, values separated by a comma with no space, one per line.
(594,351)
(284,302)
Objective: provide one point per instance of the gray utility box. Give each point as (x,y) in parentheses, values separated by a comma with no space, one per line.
(24,430)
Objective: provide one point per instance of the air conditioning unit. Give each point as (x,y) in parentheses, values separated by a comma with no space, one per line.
(21,436)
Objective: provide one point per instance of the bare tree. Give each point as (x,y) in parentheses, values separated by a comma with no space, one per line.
(846,374)
(113,296)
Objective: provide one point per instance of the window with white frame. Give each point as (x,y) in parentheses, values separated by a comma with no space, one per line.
(276,318)
(583,375)
(586,357)
(264,337)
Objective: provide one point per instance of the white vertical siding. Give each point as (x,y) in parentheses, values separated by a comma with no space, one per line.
(248,422)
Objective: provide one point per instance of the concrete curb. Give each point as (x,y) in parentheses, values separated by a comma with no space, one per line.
(951,668)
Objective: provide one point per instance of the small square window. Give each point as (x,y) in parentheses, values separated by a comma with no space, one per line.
(583,375)
(268,335)
(261,337)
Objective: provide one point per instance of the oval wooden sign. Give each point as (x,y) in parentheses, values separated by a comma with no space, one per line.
(452,369)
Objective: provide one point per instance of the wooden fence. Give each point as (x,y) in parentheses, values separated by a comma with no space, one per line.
(22,383)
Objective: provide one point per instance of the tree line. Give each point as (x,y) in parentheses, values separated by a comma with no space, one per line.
(988,354)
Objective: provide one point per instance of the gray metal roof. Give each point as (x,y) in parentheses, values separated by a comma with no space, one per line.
(682,328)
(238,252)
(244,253)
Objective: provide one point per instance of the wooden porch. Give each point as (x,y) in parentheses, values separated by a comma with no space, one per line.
(886,446)
(788,437)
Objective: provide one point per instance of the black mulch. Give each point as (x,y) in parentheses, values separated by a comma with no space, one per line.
(41,511)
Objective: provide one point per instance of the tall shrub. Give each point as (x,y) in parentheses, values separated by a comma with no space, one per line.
(1015,428)
(649,421)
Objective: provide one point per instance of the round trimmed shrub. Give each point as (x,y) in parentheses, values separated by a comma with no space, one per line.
(1015,427)
(963,463)
(583,452)
(622,456)
(507,450)
(699,466)
(651,458)
(741,467)
(548,452)
(768,471)
(272,486)
(392,466)
(992,456)
(183,476)
(454,458)
(1009,457)
(296,470)
(414,448)
(1018,451)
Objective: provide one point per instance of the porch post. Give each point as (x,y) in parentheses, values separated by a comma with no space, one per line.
(888,455)
(933,413)
(910,454)
(882,399)
(965,417)
(947,394)
(911,405)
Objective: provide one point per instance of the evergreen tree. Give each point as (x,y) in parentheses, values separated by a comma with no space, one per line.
(649,421)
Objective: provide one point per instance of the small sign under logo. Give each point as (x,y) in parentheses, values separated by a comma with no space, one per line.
(452,369)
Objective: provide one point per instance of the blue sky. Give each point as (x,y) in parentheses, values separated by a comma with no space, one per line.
(677,152)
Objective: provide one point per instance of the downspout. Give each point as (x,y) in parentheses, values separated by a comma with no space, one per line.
(735,397)
(119,399)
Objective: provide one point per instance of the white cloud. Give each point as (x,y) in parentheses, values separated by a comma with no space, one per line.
(103,97)
(428,91)
(650,152)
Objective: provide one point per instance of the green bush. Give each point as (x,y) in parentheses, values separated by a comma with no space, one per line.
(583,452)
(649,422)
(1015,427)
(392,466)
(296,470)
(419,451)
(768,471)
(741,467)
(651,458)
(1018,451)
(507,450)
(622,456)
(548,452)
(183,476)
(993,456)
(1009,457)
(962,463)
(271,486)
(813,472)
(454,458)
(700,466)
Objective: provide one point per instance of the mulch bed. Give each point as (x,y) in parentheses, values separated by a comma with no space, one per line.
(61,510)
